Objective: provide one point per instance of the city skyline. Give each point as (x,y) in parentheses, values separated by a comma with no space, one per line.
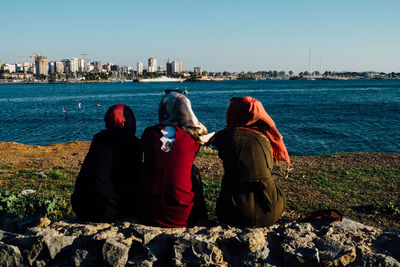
(218,36)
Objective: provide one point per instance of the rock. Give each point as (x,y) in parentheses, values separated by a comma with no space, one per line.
(302,257)
(254,239)
(130,243)
(196,252)
(56,244)
(10,255)
(33,222)
(82,257)
(114,252)
(377,260)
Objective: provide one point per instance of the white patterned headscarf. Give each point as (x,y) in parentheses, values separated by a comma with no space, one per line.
(176,109)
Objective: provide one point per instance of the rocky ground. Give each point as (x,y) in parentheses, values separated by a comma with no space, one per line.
(130,243)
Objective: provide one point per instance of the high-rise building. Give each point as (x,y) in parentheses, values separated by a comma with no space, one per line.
(169,67)
(152,64)
(42,68)
(160,69)
(197,70)
(1,63)
(52,67)
(139,67)
(81,65)
(177,66)
(60,67)
(73,64)
(97,66)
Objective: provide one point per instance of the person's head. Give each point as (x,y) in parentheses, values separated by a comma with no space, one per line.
(120,116)
(244,111)
(249,113)
(175,109)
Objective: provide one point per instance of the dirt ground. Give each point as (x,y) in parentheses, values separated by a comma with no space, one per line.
(71,155)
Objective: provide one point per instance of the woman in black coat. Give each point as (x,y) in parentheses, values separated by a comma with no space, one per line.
(110,170)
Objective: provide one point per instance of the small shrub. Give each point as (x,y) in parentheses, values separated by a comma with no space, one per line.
(53,207)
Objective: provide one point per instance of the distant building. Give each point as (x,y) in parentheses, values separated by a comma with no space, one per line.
(160,69)
(177,66)
(60,67)
(114,67)
(97,66)
(42,68)
(197,70)
(19,67)
(81,65)
(152,64)
(52,67)
(73,64)
(169,66)
(1,63)
(139,67)
(8,67)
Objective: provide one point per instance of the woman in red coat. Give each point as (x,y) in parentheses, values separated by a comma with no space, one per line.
(169,195)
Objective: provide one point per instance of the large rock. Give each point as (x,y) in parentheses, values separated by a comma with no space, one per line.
(131,243)
(10,255)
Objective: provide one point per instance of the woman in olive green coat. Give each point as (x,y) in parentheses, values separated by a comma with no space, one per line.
(248,147)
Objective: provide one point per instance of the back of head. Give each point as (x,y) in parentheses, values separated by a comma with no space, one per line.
(249,113)
(176,109)
(120,116)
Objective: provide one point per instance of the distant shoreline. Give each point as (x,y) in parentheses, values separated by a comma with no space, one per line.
(131,81)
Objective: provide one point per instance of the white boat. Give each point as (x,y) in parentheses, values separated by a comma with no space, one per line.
(161,79)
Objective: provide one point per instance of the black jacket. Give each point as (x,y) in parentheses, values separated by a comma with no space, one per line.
(108,176)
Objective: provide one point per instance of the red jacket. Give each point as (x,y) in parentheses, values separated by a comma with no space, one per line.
(166,196)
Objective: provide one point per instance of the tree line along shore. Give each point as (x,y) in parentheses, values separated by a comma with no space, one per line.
(39,180)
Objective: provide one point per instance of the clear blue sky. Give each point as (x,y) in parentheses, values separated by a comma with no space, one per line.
(217,35)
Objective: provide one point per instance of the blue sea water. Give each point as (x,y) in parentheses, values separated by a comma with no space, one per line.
(315,117)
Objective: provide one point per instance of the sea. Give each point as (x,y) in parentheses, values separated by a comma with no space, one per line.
(314,117)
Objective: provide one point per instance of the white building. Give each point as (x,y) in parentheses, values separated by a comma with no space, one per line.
(152,64)
(73,65)
(27,67)
(197,70)
(177,66)
(60,67)
(9,67)
(139,67)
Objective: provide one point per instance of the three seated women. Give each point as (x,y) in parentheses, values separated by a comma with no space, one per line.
(164,187)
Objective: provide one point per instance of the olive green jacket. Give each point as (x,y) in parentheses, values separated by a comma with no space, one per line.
(249,196)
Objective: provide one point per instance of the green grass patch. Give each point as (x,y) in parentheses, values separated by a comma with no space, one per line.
(211,189)
(206,151)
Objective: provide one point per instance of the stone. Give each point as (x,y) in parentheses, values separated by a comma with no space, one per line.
(302,257)
(129,243)
(83,257)
(33,222)
(10,255)
(196,252)
(56,244)
(377,260)
(254,239)
(114,252)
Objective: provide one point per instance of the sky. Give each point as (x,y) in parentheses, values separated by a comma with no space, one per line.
(218,35)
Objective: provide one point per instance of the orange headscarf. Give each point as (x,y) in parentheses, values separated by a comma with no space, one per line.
(249,113)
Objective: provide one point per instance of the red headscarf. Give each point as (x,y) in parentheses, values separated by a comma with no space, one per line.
(120,116)
(249,113)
